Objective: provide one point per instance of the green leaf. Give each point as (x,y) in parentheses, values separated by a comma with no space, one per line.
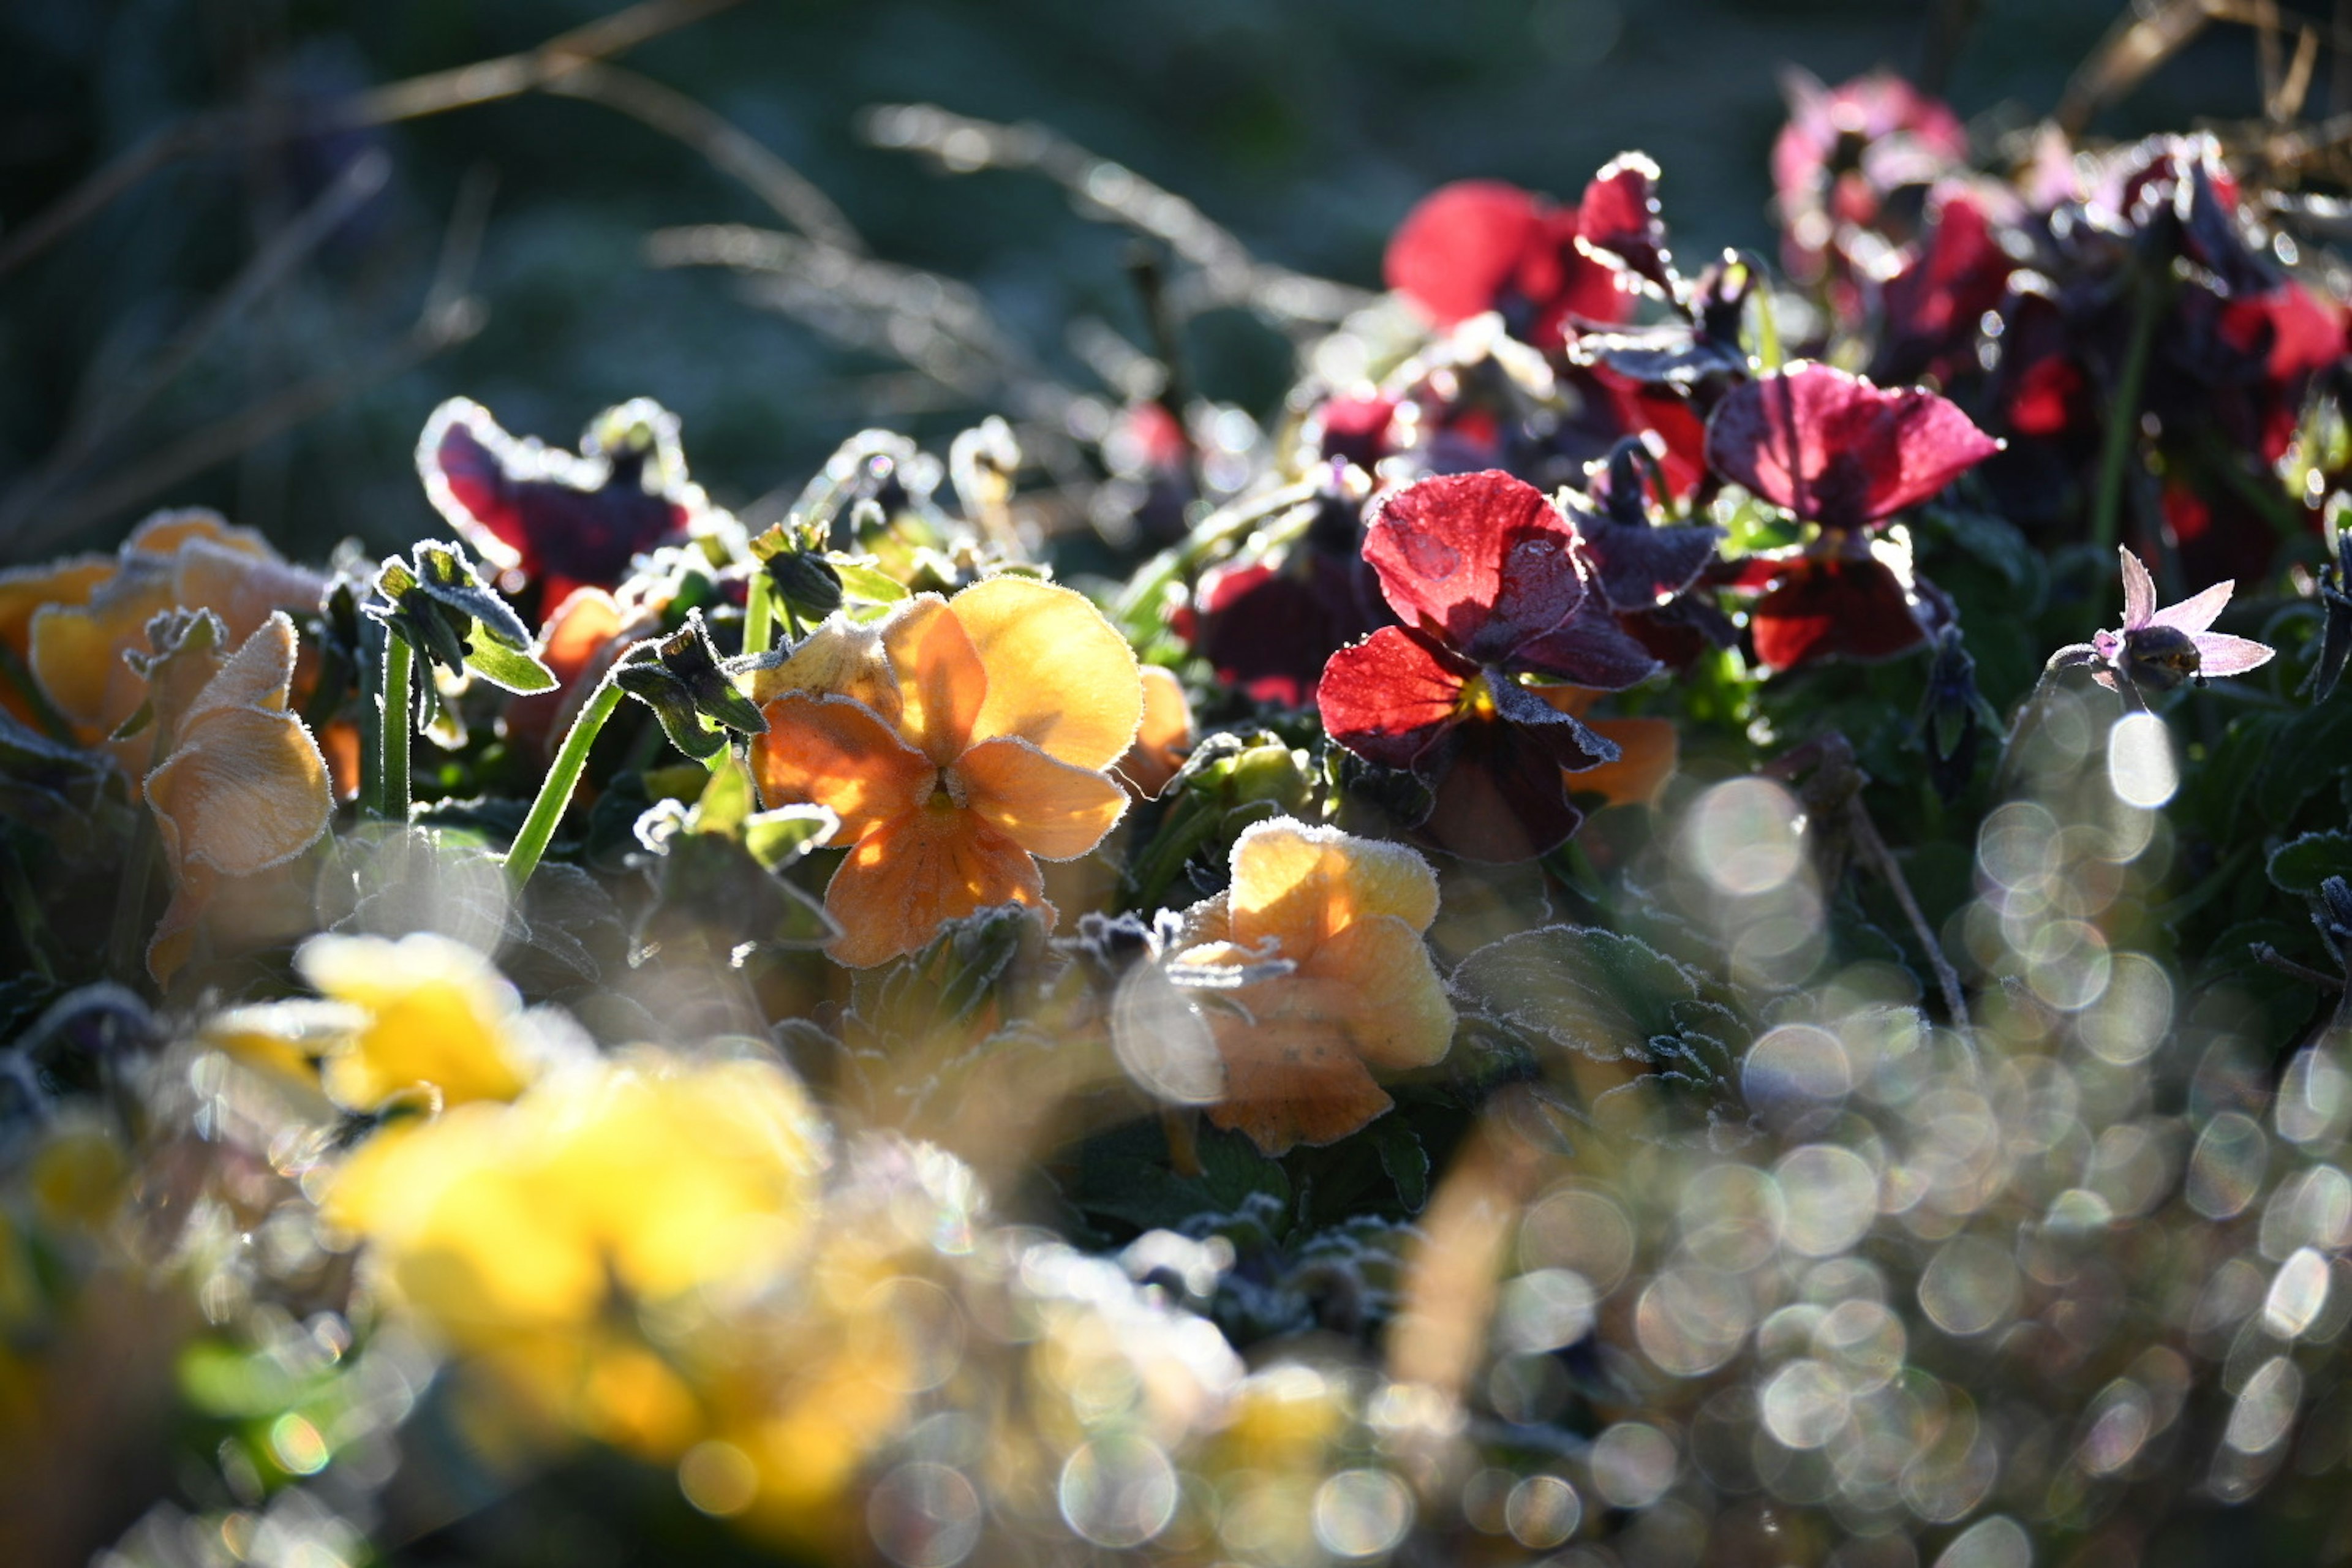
(2299,864)
(860,580)
(514,669)
(1403,1158)
(1582,989)
(778,838)
(727,802)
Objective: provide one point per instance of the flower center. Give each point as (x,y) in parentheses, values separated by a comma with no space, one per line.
(1477,699)
(947,792)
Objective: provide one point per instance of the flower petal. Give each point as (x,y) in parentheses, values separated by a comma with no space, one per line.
(1830,608)
(1398,1014)
(1303,885)
(840,658)
(2194,615)
(1482,560)
(1466,244)
(1045,806)
(260,674)
(1836,450)
(903,880)
(2139,590)
(941,684)
(2218,653)
(1165,736)
(1590,649)
(1647,752)
(244,790)
(1290,1081)
(1618,221)
(832,751)
(1504,798)
(1386,699)
(1058,674)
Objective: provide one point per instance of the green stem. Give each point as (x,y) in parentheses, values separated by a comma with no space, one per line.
(759,613)
(2123,419)
(1768,353)
(562,777)
(399,716)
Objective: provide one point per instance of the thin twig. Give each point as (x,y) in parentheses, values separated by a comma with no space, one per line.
(1881,861)
(462,87)
(733,152)
(88,434)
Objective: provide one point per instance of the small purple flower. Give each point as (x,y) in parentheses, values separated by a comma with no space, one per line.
(2156,650)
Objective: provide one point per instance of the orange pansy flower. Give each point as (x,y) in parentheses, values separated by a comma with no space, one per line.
(187,560)
(1648,751)
(1167,734)
(1349,914)
(243,788)
(958,741)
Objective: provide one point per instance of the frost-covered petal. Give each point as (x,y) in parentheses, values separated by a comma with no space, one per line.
(1386,699)
(1303,885)
(832,751)
(1482,560)
(1045,806)
(1618,220)
(2140,591)
(1059,675)
(2193,615)
(1590,649)
(1834,449)
(2218,653)
(903,882)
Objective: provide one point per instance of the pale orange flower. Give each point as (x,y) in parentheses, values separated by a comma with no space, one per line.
(242,789)
(1349,914)
(1167,734)
(187,560)
(1648,751)
(24,591)
(958,741)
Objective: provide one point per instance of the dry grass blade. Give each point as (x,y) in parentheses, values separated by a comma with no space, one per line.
(483,82)
(2142,39)
(1230,274)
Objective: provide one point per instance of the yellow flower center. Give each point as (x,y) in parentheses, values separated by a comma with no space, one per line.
(1477,699)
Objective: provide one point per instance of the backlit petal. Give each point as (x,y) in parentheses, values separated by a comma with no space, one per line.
(903,880)
(1482,560)
(1397,1014)
(1059,675)
(2194,615)
(2139,590)
(2218,653)
(1165,736)
(1832,448)
(831,752)
(840,658)
(243,791)
(942,683)
(1291,1080)
(1304,885)
(1046,806)
(1386,699)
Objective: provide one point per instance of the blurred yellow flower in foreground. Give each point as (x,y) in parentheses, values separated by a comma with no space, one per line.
(525,1234)
(1349,914)
(429,1013)
(960,741)
(242,788)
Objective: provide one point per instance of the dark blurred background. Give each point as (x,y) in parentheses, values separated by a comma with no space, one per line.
(1306,129)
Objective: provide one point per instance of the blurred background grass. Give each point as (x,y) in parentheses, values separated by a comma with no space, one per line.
(1307,127)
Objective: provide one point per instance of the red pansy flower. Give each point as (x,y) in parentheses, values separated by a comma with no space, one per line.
(1932,307)
(1483,245)
(563,521)
(1844,149)
(1483,571)
(1839,452)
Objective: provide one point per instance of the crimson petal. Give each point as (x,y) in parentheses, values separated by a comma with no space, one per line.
(1464,247)
(1836,450)
(1389,697)
(1482,559)
(565,521)
(1618,222)
(1830,608)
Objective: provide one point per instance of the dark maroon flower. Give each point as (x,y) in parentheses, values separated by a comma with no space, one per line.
(1268,627)
(1355,428)
(563,521)
(1837,451)
(1482,245)
(1619,226)
(1846,148)
(1703,342)
(1483,571)
(1637,565)
(1834,450)
(1933,306)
